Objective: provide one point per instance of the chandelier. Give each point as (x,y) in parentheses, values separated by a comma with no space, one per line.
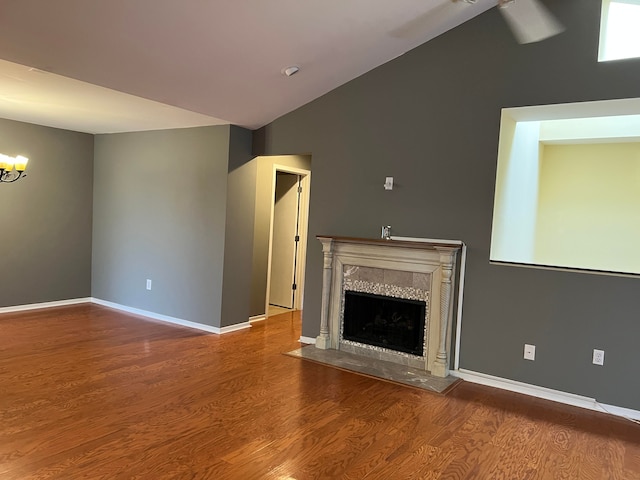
(11,169)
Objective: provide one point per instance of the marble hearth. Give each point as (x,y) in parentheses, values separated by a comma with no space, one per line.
(413,270)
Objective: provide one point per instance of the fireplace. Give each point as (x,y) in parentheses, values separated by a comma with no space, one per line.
(389,300)
(393,323)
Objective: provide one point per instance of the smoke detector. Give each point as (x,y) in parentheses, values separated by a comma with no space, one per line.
(289,71)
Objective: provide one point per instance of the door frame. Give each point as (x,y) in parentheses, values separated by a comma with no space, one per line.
(301,259)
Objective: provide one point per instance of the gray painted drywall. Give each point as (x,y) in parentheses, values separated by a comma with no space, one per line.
(160,201)
(264,200)
(46,217)
(430,118)
(241,188)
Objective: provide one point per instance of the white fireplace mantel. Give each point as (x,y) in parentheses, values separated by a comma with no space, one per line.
(434,258)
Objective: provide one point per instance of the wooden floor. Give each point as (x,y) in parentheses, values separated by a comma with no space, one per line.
(87,392)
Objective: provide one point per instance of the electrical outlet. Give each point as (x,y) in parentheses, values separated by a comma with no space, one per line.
(148,284)
(598,357)
(529,352)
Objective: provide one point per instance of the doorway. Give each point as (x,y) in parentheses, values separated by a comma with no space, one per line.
(287,239)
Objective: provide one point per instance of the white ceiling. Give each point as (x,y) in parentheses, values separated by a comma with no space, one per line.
(217,61)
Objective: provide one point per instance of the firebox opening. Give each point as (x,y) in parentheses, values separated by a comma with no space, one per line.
(392,323)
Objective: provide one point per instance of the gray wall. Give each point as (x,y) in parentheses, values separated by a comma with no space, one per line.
(46,217)
(430,118)
(160,201)
(241,188)
(264,200)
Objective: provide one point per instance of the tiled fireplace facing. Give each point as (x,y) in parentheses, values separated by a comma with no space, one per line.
(396,298)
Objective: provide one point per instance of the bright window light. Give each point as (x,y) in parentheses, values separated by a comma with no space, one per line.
(567,187)
(619,32)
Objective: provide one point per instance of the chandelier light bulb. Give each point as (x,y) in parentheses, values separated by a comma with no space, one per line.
(21,163)
(11,169)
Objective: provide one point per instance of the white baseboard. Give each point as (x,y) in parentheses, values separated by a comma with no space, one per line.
(37,306)
(136,311)
(546,393)
(620,411)
(307,340)
(234,328)
(257,318)
(173,320)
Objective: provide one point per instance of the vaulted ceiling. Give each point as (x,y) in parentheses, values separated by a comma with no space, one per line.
(104,66)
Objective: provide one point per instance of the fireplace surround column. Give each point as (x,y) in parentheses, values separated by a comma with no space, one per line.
(441,365)
(323,341)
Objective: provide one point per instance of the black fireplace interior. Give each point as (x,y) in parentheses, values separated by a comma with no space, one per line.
(393,323)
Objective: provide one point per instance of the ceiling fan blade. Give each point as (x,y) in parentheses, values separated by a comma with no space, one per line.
(426,22)
(530,21)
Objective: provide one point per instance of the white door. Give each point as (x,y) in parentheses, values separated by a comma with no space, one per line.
(285,231)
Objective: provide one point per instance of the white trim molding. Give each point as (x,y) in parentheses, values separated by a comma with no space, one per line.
(230,328)
(257,318)
(37,306)
(173,320)
(545,393)
(303,222)
(620,411)
(307,340)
